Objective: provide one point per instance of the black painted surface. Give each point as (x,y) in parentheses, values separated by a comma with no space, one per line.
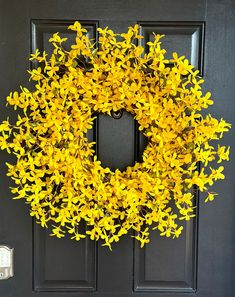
(200,263)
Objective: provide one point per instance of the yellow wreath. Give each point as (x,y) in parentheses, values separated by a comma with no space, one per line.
(57,172)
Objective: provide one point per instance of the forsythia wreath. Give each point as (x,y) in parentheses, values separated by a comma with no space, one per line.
(57,172)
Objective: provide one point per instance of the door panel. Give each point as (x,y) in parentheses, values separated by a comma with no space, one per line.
(185,38)
(199,263)
(176,271)
(56,269)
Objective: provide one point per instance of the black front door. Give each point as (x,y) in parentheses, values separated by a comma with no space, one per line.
(201,261)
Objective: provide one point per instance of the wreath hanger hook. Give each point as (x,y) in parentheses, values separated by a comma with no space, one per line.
(117,114)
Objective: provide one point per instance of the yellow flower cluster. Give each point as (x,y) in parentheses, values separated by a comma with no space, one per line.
(57,172)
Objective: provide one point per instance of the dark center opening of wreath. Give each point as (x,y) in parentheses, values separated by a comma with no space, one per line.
(119,143)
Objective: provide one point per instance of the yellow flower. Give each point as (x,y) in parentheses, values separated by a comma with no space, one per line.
(210,197)
(223,153)
(57,39)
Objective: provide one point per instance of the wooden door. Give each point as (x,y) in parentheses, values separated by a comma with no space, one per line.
(199,263)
